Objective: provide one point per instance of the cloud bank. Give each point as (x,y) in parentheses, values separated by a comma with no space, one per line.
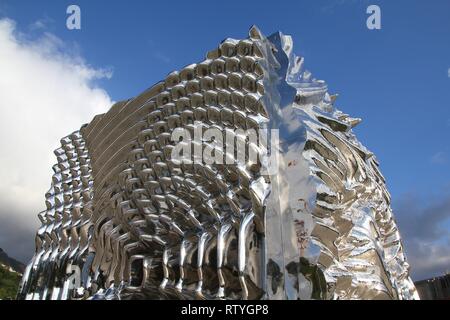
(426,235)
(45,93)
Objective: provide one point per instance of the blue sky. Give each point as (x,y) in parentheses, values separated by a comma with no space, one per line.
(397,79)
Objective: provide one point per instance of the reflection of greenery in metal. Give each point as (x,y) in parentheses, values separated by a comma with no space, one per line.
(313,274)
(273,271)
(316,277)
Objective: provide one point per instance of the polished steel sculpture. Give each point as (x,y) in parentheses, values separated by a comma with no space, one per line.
(125,220)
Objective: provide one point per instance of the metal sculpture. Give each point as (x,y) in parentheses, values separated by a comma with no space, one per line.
(309,219)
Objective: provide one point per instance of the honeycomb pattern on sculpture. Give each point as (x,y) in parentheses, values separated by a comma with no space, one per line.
(132,223)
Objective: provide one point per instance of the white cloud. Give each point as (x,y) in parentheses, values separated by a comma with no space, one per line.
(439,158)
(40,24)
(45,93)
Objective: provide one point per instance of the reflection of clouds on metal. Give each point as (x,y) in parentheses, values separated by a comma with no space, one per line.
(139,225)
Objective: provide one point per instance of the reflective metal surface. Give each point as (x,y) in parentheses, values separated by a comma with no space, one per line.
(310,219)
